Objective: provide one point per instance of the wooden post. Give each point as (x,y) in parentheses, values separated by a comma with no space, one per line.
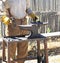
(38,51)
(8,53)
(3,51)
(45,50)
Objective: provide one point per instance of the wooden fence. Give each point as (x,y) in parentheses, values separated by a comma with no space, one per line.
(48,10)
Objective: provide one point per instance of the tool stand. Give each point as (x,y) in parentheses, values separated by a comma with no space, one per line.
(32,36)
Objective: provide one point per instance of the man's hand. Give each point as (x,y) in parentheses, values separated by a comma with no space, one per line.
(31,14)
(35,18)
(5,19)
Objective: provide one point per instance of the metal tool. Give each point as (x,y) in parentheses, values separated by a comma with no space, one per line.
(33,28)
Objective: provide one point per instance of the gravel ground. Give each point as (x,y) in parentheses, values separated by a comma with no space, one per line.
(52,59)
(31,61)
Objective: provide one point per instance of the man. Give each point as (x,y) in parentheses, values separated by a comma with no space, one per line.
(18,9)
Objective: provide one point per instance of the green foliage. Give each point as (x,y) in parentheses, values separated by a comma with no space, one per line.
(48,30)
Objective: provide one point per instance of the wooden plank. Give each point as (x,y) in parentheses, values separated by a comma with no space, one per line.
(52,34)
(20,39)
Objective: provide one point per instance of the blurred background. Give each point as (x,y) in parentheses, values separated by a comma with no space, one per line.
(47,11)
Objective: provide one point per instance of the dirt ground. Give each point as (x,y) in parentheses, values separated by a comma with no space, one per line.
(53,50)
(52,59)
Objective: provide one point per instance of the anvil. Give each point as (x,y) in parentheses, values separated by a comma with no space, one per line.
(33,28)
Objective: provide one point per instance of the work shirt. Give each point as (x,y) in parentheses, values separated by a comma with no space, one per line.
(17,7)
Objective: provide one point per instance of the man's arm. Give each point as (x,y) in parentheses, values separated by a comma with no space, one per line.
(9,14)
(6,17)
(30,12)
(6,8)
